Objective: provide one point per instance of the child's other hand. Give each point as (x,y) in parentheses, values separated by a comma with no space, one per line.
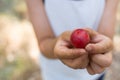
(99,51)
(72,57)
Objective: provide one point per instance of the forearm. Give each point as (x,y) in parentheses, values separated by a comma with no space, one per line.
(45,36)
(47,47)
(108,20)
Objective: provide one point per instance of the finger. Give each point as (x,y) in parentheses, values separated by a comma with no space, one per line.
(77,63)
(102,45)
(90,70)
(62,50)
(104,60)
(70,53)
(97,68)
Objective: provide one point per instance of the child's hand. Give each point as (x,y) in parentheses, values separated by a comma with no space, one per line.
(72,57)
(99,51)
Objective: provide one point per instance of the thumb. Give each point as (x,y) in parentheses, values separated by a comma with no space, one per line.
(66,35)
(92,33)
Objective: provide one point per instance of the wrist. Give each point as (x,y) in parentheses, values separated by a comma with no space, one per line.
(47,47)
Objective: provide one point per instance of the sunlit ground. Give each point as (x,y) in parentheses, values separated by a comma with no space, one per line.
(18,46)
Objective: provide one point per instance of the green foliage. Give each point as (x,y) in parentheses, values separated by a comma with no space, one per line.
(15,8)
(6,5)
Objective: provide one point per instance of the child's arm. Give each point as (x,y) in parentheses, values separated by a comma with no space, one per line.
(107,24)
(103,58)
(41,25)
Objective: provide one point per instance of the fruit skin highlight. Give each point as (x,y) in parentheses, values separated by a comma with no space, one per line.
(80,38)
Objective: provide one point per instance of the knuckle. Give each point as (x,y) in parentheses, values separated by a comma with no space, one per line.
(74,66)
(99,71)
(108,63)
(56,53)
(83,67)
(91,73)
(110,44)
(78,65)
(73,54)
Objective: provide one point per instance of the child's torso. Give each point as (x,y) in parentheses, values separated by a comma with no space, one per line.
(68,15)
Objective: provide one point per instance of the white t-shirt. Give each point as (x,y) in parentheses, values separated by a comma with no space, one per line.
(69,15)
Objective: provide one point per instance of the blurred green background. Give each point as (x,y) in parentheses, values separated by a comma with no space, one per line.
(18,46)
